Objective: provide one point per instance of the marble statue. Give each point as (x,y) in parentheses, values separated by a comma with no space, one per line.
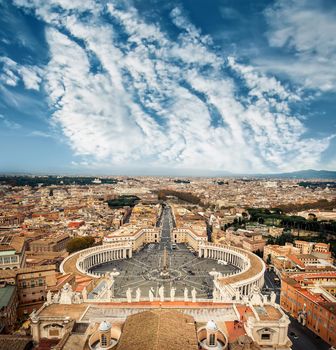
(193,295)
(55,298)
(49,297)
(161,293)
(84,294)
(109,280)
(129,295)
(172,293)
(215,294)
(137,294)
(33,316)
(66,294)
(186,298)
(265,299)
(77,298)
(151,294)
(109,295)
(273,297)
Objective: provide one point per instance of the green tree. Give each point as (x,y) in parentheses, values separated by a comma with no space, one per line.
(79,243)
(259,253)
(269,259)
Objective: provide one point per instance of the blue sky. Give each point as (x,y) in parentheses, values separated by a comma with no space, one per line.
(188,86)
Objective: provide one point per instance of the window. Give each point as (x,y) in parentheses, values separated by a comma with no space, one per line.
(53,332)
(212,339)
(265,336)
(103,340)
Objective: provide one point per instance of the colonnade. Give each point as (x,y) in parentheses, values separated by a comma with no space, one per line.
(222,253)
(102,257)
(251,267)
(94,256)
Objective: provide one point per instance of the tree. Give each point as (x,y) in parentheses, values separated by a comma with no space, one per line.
(79,243)
(269,259)
(259,253)
(284,238)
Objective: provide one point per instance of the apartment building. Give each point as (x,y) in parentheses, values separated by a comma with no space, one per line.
(8,306)
(50,244)
(12,252)
(247,239)
(310,298)
(32,285)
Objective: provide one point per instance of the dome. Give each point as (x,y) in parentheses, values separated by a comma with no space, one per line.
(104,326)
(211,326)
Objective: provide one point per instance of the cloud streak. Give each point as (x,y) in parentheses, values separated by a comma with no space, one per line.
(305,29)
(125,93)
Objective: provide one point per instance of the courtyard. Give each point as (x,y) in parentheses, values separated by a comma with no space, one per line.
(186,270)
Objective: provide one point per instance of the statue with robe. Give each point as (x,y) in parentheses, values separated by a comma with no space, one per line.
(151,294)
(193,295)
(172,293)
(129,295)
(161,293)
(186,298)
(137,294)
(49,297)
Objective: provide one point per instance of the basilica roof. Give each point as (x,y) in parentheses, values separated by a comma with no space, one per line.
(158,329)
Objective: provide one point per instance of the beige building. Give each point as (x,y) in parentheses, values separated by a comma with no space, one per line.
(249,240)
(274,251)
(310,247)
(32,285)
(301,256)
(188,236)
(52,244)
(12,252)
(135,235)
(82,324)
(8,307)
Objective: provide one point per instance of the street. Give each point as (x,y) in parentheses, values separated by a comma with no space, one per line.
(301,337)
(306,339)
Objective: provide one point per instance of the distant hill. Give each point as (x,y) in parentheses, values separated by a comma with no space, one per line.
(303,174)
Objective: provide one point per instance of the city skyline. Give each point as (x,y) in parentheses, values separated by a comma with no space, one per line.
(185,87)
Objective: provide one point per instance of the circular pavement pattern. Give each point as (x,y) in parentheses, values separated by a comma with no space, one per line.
(185,270)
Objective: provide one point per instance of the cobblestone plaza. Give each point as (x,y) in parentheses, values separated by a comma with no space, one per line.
(186,271)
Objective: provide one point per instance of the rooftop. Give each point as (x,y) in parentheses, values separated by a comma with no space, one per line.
(14,342)
(268,313)
(164,329)
(6,294)
(13,273)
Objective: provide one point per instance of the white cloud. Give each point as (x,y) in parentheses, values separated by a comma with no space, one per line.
(155,101)
(12,73)
(10,124)
(39,133)
(307,30)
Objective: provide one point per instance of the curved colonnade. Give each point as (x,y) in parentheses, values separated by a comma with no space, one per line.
(230,286)
(84,260)
(251,274)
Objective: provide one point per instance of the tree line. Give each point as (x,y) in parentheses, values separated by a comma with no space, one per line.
(276,217)
(79,243)
(184,196)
